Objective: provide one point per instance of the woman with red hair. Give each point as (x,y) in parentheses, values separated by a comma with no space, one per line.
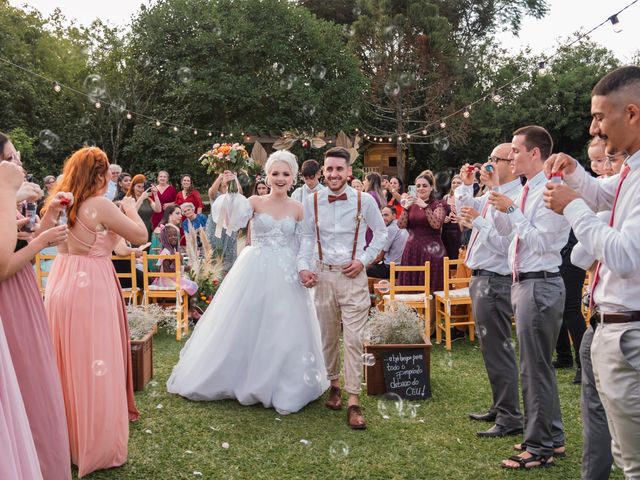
(146,201)
(87,313)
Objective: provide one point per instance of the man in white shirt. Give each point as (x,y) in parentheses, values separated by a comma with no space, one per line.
(112,187)
(392,251)
(310,172)
(615,351)
(335,221)
(490,290)
(537,295)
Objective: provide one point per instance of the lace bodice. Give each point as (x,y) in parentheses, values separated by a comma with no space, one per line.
(269,232)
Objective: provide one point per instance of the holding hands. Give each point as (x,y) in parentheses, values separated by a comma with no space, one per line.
(308,279)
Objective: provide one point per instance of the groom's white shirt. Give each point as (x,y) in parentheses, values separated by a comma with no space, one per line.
(337,223)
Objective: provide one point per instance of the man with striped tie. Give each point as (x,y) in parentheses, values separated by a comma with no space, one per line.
(490,290)
(537,295)
(615,351)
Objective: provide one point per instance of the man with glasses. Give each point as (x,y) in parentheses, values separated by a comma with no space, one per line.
(112,188)
(490,291)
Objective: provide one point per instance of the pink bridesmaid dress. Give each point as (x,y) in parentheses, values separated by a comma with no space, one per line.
(29,339)
(91,344)
(19,457)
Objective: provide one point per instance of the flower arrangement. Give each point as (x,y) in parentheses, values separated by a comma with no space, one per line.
(222,157)
(144,318)
(206,267)
(399,324)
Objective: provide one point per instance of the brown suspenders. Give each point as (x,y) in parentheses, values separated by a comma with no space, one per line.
(358,218)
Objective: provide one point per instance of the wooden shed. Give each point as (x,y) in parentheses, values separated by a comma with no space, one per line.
(383,159)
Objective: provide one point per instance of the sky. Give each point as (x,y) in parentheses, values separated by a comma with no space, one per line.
(564,19)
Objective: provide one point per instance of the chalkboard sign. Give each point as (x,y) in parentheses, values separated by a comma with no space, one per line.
(405,373)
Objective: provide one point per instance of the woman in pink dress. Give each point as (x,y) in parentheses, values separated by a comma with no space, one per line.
(19,457)
(167,195)
(87,315)
(27,333)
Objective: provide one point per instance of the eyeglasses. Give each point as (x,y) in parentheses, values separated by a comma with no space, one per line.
(493,158)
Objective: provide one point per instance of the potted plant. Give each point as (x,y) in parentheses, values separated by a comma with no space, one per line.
(143,321)
(397,353)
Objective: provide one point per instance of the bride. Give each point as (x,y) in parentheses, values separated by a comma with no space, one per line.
(259,340)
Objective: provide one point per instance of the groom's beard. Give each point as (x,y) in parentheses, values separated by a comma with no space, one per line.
(339,188)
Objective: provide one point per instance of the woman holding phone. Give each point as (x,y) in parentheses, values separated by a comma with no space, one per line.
(146,200)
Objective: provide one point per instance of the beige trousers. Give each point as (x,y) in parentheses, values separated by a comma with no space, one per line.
(340,299)
(615,353)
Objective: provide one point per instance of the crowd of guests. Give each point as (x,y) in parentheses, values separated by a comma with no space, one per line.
(530,222)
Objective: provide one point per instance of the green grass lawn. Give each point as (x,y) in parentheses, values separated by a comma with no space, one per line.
(176,438)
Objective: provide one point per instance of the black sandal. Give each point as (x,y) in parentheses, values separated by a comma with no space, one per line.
(556,454)
(523,463)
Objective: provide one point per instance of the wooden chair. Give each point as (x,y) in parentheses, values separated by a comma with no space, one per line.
(40,273)
(152,293)
(449,297)
(129,294)
(414,296)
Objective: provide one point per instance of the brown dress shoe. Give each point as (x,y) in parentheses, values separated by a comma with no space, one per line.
(335,399)
(355,418)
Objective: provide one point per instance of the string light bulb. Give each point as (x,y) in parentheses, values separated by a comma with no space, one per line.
(158,123)
(210,134)
(195,132)
(56,87)
(175,129)
(98,104)
(222,135)
(408,136)
(443,124)
(231,134)
(466,113)
(615,23)
(542,68)
(496,98)
(129,116)
(390,139)
(424,131)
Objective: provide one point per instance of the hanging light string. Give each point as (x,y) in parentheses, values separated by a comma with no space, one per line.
(422,132)
(99,103)
(417,133)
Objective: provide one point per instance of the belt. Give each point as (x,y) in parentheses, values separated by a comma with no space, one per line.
(532,275)
(619,317)
(487,273)
(330,268)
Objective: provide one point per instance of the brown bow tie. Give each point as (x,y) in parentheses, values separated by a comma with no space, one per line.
(335,198)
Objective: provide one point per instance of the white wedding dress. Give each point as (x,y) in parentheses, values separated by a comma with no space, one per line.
(259,340)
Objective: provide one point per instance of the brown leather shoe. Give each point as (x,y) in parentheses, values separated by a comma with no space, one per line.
(355,418)
(334,401)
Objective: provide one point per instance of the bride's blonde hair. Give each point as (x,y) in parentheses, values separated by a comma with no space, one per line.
(282,156)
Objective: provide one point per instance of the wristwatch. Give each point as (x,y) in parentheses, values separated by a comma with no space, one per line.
(511,209)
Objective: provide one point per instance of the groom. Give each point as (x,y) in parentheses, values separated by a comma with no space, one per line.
(332,256)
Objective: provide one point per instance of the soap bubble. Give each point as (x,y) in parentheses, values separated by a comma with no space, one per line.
(118,106)
(99,368)
(82,279)
(392,89)
(441,143)
(308,359)
(390,405)
(318,72)
(368,359)
(94,87)
(278,68)
(338,450)
(309,110)
(312,377)
(185,75)
(383,286)
(481,331)
(49,140)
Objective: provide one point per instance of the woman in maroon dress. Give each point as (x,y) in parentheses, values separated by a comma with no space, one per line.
(166,194)
(423,217)
(189,194)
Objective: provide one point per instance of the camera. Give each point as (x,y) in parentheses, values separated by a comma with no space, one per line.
(148,184)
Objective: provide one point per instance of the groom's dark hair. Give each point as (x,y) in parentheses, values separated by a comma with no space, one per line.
(338,152)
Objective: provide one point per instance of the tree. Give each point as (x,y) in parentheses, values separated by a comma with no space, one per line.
(258,66)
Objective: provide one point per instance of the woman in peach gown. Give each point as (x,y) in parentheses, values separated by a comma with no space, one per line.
(19,458)
(87,314)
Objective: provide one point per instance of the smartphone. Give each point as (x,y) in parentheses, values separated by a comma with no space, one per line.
(412,190)
(148,184)
(145,246)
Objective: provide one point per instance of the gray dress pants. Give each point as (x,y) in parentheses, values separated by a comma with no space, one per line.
(596,439)
(538,305)
(492,311)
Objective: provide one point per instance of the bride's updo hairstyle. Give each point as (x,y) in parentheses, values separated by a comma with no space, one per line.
(284,156)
